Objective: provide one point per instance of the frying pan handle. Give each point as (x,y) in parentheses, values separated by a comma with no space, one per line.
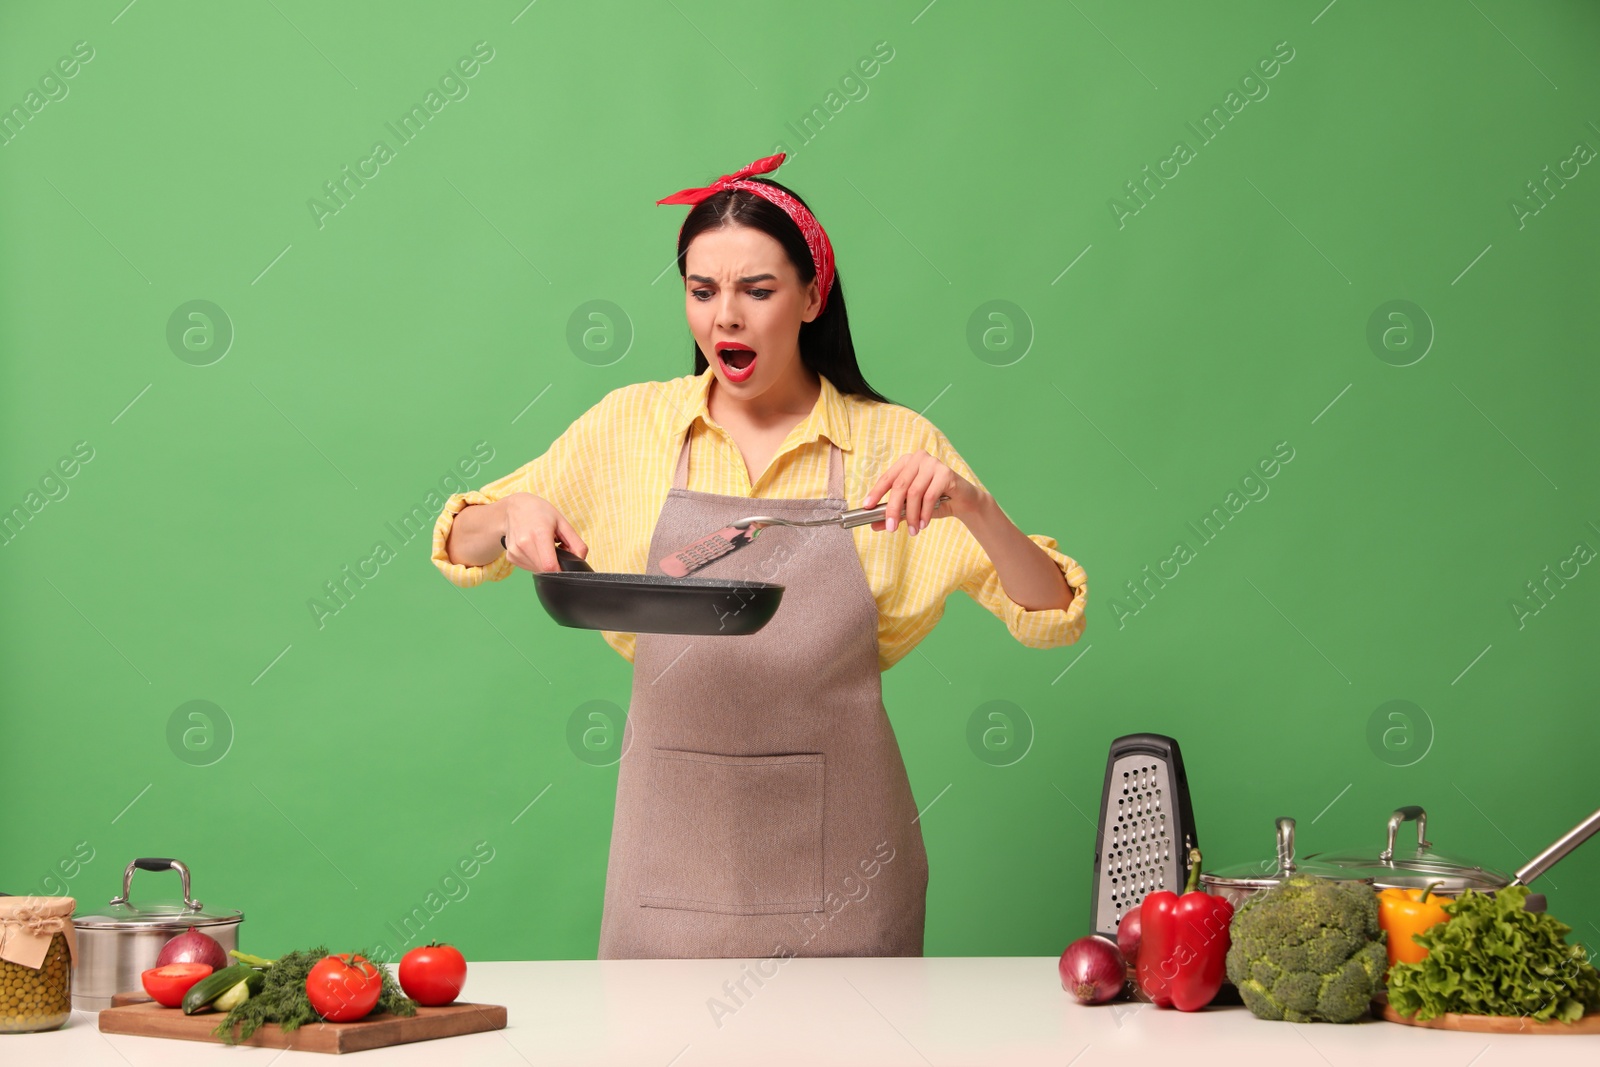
(1558,851)
(571,561)
(565,560)
(1411,811)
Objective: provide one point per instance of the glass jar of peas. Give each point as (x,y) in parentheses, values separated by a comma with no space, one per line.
(36,950)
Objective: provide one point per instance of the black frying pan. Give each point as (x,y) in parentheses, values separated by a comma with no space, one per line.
(578,595)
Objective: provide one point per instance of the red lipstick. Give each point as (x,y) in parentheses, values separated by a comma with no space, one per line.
(738,360)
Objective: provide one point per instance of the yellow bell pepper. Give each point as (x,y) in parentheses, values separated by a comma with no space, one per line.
(1403,912)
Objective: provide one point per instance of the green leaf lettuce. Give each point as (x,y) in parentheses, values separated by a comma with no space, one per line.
(1491,957)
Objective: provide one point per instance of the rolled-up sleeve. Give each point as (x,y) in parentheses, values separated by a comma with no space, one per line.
(565,475)
(459,573)
(1047,627)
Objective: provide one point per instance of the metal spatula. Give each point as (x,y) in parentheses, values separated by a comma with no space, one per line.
(736,535)
(1146,828)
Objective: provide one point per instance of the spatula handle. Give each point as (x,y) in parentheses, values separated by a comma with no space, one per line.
(862,516)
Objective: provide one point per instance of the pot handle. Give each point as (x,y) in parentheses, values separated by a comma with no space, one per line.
(1411,811)
(1547,859)
(1286,847)
(158,864)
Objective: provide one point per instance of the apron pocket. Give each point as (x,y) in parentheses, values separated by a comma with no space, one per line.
(737,835)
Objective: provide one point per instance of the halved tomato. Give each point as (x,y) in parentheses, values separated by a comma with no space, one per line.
(167,985)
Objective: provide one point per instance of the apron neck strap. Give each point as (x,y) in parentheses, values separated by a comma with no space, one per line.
(836,473)
(680,475)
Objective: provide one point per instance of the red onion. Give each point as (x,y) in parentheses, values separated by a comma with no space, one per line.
(1092,970)
(192,946)
(1128,932)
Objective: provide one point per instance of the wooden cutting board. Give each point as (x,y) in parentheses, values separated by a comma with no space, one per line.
(1496,1024)
(134,1013)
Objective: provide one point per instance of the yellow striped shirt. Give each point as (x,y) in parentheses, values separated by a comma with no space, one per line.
(609,473)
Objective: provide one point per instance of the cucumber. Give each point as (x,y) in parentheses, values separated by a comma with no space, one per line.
(254,961)
(203,993)
(239,993)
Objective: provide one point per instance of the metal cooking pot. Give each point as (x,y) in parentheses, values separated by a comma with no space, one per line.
(120,942)
(1243,881)
(1411,869)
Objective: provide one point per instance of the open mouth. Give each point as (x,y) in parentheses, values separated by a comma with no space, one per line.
(738,361)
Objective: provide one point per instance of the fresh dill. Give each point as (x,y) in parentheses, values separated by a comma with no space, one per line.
(283,1000)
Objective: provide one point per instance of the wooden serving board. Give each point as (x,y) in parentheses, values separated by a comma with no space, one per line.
(1496,1024)
(134,1013)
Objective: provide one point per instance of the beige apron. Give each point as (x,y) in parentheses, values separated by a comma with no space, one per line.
(762,804)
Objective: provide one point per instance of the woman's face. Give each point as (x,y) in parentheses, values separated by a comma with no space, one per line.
(742,291)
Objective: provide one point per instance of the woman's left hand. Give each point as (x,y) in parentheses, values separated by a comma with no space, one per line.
(913,484)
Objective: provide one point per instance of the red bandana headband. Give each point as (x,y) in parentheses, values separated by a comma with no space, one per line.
(810,228)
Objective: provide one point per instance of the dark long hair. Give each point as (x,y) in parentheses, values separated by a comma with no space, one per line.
(825,344)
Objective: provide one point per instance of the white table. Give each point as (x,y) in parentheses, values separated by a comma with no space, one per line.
(874,1012)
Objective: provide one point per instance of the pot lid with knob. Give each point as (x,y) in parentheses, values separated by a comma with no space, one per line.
(1265,874)
(123,914)
(1406,866)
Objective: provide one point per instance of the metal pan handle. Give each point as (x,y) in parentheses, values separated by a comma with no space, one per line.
(1411,811)
(158,864)
(1558,851)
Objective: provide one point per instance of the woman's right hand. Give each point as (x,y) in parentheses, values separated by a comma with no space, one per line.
(532,527)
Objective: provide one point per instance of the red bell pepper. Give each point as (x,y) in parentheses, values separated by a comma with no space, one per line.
(1183,944)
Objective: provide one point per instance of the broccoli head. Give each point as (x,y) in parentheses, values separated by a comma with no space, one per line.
(1308,950)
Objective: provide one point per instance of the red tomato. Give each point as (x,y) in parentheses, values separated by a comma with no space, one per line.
(344,988)
(167,985)
(433,974)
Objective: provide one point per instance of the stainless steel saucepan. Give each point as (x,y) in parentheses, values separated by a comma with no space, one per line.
(1395,867)
(123,939)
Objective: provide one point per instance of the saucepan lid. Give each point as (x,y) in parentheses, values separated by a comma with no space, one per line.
(1264,874)
(1408,866)
(123,914)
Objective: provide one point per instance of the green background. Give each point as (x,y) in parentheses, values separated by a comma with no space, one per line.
(348,768)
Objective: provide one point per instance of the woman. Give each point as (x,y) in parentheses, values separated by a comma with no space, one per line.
(762,805)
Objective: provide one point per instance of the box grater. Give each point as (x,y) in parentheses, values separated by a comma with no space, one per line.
(1146,827)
